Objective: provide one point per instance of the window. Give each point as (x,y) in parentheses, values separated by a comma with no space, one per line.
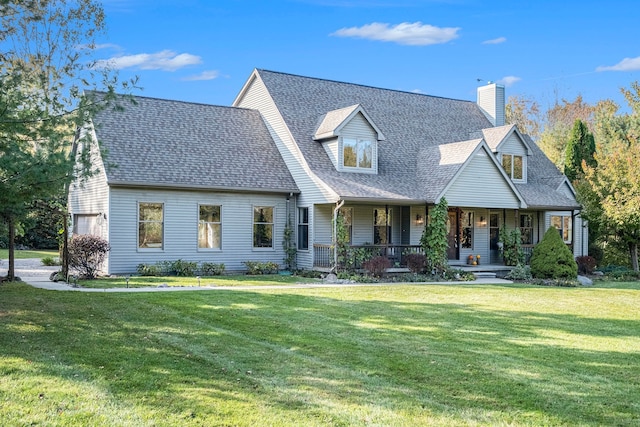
(209,227)
(563,224)
(526,229)
(263,227)
(357,153)
(381,226)
(514,166)
(347,222)
(303,228)
(150,225)
(467,230)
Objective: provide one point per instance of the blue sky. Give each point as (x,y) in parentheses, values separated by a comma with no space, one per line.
(204,51)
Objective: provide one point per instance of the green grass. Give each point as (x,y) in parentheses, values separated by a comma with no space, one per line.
(461,355)
(226,280)
(4,254)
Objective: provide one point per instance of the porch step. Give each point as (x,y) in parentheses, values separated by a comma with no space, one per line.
(484,274)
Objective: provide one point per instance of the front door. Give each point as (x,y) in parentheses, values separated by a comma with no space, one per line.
(452,235)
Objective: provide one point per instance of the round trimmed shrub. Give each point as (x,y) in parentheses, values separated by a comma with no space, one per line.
(552,258)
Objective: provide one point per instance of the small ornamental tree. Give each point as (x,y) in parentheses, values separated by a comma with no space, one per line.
(552,258)
(434,238)
(86,254)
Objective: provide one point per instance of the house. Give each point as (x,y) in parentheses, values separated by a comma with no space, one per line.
(221,184)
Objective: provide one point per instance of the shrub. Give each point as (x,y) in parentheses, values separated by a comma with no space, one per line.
(212,269)
(416,263)
(50,261)
(86,254)
(257,267)
(376,266)
(586,264)
(183,268)
(148,270)
(519,272)
(552,259)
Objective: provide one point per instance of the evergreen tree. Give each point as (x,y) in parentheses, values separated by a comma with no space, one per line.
(581,147)
(45,52)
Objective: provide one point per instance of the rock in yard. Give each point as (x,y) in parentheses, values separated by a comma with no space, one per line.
(585,281)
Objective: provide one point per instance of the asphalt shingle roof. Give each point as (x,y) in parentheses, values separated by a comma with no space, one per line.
(155,142)
(414,125)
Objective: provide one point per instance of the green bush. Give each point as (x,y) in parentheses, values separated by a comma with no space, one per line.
(183,268)
(257,267)
(552,259)
(212,269)
(520,272)
(148,270)
(50,261)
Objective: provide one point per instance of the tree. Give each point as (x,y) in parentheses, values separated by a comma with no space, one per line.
(581,147)
(552,259)
(524,113)
(610,191)
(559,120)
(434,238)
(45,50)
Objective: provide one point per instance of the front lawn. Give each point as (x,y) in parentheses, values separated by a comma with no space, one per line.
(4,254)
(225,280)
(400,355)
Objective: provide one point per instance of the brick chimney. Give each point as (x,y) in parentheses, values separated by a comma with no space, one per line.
(492,103)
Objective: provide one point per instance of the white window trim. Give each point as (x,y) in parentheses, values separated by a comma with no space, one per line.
(161,248)
(308,224)
(563,215)
(358,169)
(524,166)
(198,248)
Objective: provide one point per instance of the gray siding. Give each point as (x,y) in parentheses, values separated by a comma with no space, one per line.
(181,228)
(480,184)
(312,189)
(359,128)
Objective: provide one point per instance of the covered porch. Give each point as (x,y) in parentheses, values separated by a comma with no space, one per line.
(395,231)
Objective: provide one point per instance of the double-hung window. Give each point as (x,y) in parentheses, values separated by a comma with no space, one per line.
(263,227)
(513,166)
(526,229)
(209,227)
(563,224)
(303,228)
(357,153)
(150,225)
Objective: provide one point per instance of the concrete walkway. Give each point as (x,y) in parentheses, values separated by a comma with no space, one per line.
(33,273)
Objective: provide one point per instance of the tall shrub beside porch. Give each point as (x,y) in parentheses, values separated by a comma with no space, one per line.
(434,238)
(552,258)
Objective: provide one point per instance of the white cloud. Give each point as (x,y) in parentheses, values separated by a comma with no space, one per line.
(508,80)
(166,60)
(495,41)
(406,33)
(205,75)
(627,64)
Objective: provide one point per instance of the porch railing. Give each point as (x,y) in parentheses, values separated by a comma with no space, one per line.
(323,254)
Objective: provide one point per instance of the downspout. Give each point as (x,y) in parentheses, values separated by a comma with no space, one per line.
(339,204)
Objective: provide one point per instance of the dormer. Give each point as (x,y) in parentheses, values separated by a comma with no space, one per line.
(350,138)
(511,149)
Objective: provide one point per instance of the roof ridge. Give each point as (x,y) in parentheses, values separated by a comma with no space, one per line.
(177,101)
(363,85)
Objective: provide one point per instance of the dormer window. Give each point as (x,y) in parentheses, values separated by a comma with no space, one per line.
(514,166)
(357,153)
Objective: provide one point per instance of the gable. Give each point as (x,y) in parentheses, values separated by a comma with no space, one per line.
(482,183)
